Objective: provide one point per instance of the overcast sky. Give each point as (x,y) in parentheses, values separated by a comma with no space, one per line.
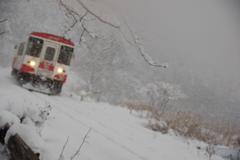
(207,31)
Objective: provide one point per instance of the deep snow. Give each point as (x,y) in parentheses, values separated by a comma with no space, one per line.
(115,133)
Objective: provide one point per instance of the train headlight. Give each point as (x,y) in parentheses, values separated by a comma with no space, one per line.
(32,63)
(60,70)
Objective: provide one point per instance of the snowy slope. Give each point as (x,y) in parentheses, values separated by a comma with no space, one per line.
(115,134)
(211,92)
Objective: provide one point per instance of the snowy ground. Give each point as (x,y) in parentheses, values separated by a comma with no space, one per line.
(115,134)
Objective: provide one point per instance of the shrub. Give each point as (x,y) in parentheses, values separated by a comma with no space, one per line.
(189,125)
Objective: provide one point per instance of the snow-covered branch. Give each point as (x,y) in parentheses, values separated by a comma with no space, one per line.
(61,155)
(138,44)
(76,17)
(89,11)
(84,141)
(1,22)
(70,13)
(95,15)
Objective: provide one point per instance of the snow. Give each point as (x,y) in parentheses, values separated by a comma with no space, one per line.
(41,88)
(8,117)
(203,79)
(29,135)
(226,152)
(115,134)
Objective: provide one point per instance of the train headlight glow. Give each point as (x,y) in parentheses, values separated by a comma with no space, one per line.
(60,70)
(32,63)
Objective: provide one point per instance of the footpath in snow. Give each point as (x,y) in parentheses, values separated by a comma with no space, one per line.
(115,133)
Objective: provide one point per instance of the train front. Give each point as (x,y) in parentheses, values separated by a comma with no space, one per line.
(46,63)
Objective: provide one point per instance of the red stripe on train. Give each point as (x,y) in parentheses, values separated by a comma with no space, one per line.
(46,65)
(52,37)
(61,77)
(26,68)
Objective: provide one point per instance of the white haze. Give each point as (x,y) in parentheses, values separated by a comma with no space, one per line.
(201,42)
(205,34)
(199,39)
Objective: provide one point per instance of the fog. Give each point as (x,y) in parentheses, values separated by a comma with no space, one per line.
(200,41)
(205,32)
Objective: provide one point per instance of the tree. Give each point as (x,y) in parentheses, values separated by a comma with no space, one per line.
(98,64)
(86,14)
(160,94)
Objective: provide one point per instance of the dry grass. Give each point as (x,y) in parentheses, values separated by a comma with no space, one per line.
(137,107)
(189,125)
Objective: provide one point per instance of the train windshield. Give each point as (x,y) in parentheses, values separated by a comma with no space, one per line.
(34,47)
(65,55)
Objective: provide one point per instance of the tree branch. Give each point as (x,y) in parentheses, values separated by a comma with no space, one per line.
(126,38)
(95,15)
(84,141)
(70,13)
(3,20)
(136,39)
(61,155)
(80,40)
(83,16)
(140,48)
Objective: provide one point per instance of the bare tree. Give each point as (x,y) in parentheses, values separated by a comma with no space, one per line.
(1,22)
(99,63)
(160,94)
(87,12)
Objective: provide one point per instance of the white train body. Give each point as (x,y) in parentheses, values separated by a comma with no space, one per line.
(42,62)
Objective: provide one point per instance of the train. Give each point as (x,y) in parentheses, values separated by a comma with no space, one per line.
(42,62)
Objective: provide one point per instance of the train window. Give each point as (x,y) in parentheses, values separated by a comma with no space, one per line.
(49,53)
(65,55)
(20,49)
(34,47)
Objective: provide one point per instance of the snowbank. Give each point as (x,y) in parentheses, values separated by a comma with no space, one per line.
(29,135)
(115,133)
(8,117)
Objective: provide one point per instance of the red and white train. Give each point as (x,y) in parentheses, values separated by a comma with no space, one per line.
(42,62)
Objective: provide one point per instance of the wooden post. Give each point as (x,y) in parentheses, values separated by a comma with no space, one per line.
(19,149)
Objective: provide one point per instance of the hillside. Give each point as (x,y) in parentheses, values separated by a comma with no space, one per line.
(210,83)
(199,40)
(115,134)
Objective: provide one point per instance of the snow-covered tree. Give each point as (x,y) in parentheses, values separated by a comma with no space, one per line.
(104,39)
(161,93)
(98,64)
